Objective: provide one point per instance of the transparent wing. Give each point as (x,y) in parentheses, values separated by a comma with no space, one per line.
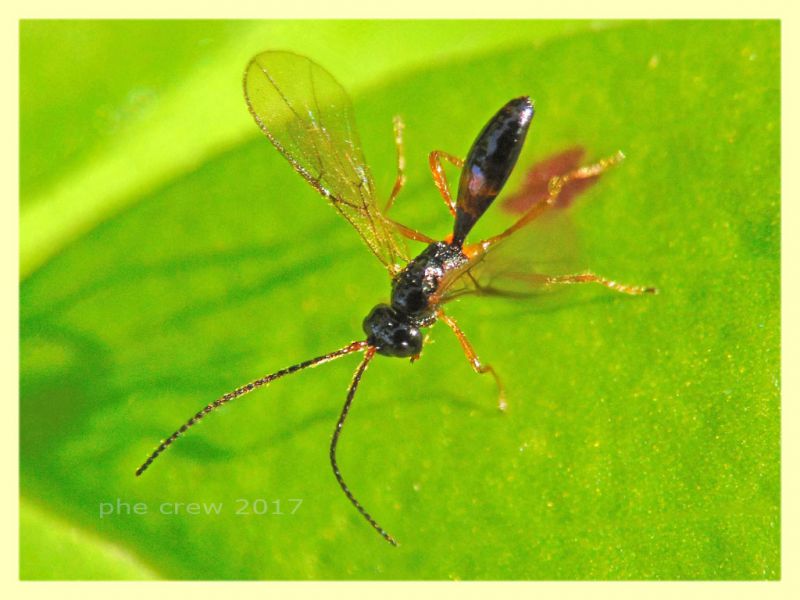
(308,117)
(520,265)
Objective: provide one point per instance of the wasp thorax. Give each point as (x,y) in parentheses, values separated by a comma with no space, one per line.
(392,333)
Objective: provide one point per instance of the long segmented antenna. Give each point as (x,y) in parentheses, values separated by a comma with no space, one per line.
(266,380)
(337,432)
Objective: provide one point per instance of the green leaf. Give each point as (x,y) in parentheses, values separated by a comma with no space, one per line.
(642,439)
(54,549)
(106,103)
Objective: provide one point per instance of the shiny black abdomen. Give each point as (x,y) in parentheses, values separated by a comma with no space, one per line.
(489,163)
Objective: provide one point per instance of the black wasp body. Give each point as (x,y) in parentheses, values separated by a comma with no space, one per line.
(308,117)
(394,330)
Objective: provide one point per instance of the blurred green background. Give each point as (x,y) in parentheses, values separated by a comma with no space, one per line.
(168,254)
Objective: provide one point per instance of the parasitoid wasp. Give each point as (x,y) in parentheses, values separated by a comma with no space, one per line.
(308,117)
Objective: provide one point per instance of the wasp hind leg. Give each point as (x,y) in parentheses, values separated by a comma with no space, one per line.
(555,185)
(633,290)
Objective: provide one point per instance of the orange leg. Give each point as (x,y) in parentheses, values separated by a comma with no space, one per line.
(473,359)
(439,177)
(555,186)
(633,290)
(411,234)
(400,180)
